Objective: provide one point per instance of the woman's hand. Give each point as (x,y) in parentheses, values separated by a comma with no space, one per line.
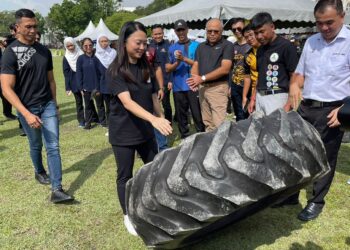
(162,125)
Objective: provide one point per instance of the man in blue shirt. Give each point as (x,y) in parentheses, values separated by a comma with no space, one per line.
(181,59)
(324,74)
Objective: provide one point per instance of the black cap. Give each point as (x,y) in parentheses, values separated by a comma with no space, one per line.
(180,24)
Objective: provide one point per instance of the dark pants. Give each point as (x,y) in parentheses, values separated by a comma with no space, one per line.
(106,100)
(79,107)
(90,111)
(183,101)
(331,138)
(125,156)
(236,97)
(7,107)
(167,106)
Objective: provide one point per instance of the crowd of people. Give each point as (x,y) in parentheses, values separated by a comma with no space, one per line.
(123,89)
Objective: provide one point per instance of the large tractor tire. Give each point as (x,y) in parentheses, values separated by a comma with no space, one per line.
(214,179)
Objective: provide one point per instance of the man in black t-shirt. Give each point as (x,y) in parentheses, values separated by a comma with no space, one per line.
(276,61)
(28,84)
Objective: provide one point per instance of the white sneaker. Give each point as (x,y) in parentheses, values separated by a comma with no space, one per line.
(129,226)
(107,134)
(349,181)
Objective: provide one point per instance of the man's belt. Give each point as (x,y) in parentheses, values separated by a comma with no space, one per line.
(271,91)
(318,104)
(213,83)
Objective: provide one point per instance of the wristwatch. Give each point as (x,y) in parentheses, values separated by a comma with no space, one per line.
(203,78)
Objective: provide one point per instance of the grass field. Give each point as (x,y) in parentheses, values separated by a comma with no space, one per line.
(29,221)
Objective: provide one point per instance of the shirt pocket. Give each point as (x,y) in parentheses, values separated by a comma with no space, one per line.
(339,64)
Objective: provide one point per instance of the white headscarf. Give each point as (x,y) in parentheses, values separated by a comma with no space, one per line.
(72,57)
(107,55)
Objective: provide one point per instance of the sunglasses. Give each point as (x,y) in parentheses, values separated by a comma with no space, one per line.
(234,30)
(213,31)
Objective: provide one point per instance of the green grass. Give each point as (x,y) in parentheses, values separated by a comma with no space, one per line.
(29,221)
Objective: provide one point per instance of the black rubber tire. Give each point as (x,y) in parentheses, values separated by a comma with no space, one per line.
(216,178)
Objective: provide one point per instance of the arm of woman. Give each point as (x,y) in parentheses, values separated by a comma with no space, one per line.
(159,123)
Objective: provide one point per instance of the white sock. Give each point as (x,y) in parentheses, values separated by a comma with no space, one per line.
(129,226)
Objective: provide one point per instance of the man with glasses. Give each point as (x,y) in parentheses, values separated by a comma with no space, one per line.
(28,84)
(322,77)
(181,59)
(277,59)
(210,74)
(240,50)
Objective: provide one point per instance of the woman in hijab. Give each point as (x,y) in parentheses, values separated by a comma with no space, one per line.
(69,70)
(88,79)
(105,55)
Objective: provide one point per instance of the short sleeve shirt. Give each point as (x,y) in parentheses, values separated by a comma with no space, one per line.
(276,61)
(125,128)
(239,53)
(250,67)
(183,70)
(209,57)
(30,64)
(326,67)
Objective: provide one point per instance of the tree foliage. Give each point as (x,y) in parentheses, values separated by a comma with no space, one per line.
(155,6)
(71,17)
(116,21)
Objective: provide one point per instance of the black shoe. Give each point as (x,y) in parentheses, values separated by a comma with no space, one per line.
(310,212)
(11,117)
(87,126)
(59,196)
(287,202)
(42,178)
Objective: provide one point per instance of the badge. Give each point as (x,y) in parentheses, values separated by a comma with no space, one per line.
(269,73)
(275,73)
(274,57)
(274,79)
(269,84)
(269,67)
(275,67)
(268,78)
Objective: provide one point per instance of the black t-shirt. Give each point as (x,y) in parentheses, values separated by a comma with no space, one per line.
(125,128)
(209,57)
(275,62)
(30,64)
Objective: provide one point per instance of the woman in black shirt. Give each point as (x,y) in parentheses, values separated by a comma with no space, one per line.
(134,101)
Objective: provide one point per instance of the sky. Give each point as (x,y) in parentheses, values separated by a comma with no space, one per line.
(43,6)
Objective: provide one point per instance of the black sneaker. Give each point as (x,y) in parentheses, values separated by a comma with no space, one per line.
(59,196)
(42,178)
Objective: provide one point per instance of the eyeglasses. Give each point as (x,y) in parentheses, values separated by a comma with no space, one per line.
(213,31)
(234,30)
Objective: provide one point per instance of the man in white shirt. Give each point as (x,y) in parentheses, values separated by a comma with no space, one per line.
(324,73)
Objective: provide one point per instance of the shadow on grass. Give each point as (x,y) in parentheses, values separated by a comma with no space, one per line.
(65,104)
(262,228)
(86,168)
(9,133)
(347,241)
(308,246)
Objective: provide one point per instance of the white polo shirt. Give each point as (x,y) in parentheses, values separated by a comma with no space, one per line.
(326,67)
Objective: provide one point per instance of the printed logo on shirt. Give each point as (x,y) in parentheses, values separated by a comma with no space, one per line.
(274,57)
(24,54)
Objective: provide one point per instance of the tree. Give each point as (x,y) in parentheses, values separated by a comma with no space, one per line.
(155,6)
(116,21)
(6,18)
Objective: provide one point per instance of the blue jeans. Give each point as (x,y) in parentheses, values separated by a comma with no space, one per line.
(49,131)
(161,141)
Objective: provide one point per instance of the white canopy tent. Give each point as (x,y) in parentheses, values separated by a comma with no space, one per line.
(87,32)
(300,11)
(93,32)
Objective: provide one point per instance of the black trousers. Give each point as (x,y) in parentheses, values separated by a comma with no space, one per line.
(183,101)
(90,110)
(6,106)
(79,107)
(331,138)
(167,106)
(106,98)
(124,157)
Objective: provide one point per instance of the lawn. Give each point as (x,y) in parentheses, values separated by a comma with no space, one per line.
(29,221)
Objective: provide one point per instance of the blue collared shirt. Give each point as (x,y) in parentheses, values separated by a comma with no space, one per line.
(326,67)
